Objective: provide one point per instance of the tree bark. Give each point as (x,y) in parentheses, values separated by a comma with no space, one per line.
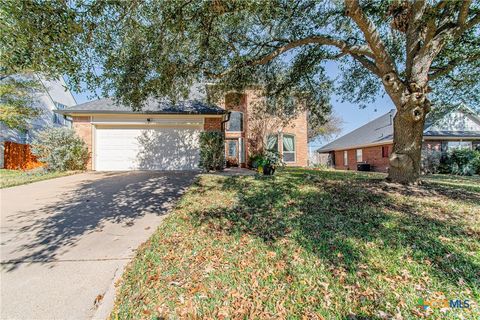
(408,126)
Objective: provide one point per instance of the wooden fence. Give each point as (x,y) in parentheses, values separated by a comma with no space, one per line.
(18,156)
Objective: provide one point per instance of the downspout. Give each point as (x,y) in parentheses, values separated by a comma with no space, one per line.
(225,121)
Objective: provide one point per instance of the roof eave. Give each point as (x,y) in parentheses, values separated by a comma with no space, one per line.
(373,144)
(73,112)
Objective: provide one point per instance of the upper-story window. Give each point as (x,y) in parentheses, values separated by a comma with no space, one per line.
(58,118)
(235,124)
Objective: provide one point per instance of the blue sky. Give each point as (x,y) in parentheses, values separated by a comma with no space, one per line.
(351,114)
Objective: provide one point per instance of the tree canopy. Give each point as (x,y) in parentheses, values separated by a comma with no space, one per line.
(418,52)
(17,101)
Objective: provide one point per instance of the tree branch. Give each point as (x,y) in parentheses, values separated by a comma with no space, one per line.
(463,14)
(321,40)
(413,34)
(472,22)
(370,65)
(442,71)
(382,58)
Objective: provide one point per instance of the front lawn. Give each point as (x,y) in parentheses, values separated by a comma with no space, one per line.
(10,178)
(309,245)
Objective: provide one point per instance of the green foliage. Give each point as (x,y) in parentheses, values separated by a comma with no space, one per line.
(162,47)
(463,162)
(269,158)
(212,151)
(17,100)
(61,149)
(39,36)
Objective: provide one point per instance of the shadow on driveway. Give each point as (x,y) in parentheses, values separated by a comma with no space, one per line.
(46,232)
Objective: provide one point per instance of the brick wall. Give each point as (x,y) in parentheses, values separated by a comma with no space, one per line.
(370,155)
(83,128)
(213,124)
(245,102)
(298,128)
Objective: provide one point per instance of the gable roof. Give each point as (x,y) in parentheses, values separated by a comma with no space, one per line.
(110,106)
(377,131)
(380,130)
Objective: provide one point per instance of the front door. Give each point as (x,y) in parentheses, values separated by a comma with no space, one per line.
(231,150)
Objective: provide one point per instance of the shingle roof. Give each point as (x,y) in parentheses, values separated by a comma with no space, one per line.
(379,130)
(108,105)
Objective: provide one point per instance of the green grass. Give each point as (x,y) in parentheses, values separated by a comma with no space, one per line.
(309,244)
(456,182)
(11,178)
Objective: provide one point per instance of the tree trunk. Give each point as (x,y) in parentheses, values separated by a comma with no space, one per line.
(408,126)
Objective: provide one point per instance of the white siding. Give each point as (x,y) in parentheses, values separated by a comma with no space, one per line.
(456,121)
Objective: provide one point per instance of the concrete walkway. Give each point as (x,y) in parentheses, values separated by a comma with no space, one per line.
(63,242)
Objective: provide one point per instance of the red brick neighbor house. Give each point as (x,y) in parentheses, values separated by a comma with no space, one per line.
(372,143)
(164,136)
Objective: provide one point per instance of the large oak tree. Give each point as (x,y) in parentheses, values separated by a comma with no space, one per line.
(420,53)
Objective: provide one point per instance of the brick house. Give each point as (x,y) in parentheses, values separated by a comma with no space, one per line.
(164,136)
(242,132)
(372,143)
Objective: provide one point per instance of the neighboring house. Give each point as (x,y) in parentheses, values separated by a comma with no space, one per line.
(53,95)
(372,143)
(164,136)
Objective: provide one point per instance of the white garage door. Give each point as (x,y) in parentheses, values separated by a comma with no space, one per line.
(146,149)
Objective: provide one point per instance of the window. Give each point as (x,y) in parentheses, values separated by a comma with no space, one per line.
(272,142)
(384,151)
(241,150)
(232,148)
(58,118)
(288,148)
(359,155)
(345,158)
(235,124)
(459,145)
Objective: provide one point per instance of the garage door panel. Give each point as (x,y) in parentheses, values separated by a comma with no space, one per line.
(147,149)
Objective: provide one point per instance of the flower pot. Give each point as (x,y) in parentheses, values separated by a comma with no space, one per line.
(268,170)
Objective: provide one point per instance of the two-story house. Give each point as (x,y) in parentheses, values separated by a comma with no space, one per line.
(165,135)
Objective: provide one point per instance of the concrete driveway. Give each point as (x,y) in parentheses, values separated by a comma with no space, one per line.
(65,241)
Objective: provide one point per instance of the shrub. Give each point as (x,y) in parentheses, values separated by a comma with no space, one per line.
(431,161)
(462,162)
(254,160)
(60,149)
(212,151)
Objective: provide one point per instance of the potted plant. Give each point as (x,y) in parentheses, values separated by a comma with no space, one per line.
(268,162)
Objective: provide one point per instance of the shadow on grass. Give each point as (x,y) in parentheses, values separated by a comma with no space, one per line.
(330,216)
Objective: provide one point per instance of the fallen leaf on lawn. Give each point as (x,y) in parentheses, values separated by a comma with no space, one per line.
(97,300)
